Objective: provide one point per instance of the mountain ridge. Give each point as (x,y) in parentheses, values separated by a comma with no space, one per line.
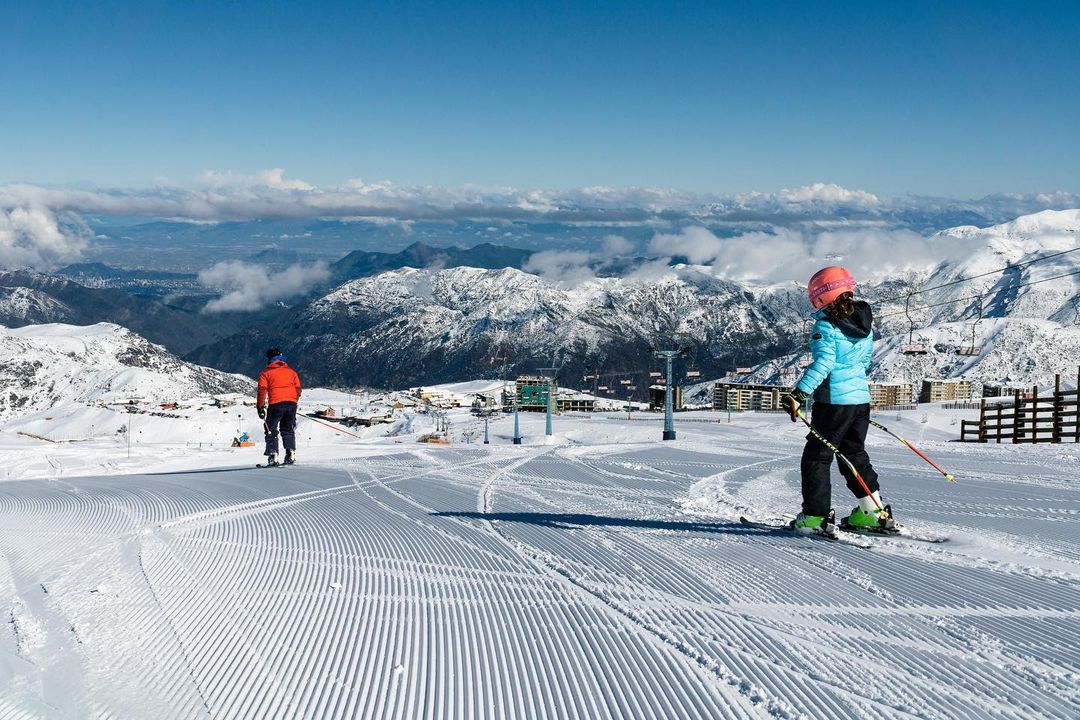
(413,325)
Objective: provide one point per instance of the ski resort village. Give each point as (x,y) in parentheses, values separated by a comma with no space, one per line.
(539,361)
(559,524)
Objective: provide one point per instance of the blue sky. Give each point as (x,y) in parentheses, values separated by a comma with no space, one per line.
(957,99)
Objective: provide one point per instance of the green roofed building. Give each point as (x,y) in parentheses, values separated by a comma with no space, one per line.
(532,392)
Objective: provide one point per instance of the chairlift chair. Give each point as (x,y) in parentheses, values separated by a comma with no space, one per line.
(911,347)
(972,349)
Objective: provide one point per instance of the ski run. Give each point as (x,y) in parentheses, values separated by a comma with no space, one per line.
(606,576)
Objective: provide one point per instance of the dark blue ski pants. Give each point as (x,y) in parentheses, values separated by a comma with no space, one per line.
(281,414)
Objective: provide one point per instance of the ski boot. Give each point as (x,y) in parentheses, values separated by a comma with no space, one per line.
(805,524)
(271,460)
(871,516)
(289,459)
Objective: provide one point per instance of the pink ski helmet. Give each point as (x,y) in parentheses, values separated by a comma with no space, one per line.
(828,284)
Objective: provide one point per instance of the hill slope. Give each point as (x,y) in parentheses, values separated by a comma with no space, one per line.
(29,298)
(46,365)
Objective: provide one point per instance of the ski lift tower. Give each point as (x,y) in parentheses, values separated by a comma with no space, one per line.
(549,373)
(517,426)
(668,356)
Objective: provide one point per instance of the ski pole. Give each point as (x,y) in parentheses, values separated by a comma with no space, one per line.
(948,476)
(320,422)
(840,455)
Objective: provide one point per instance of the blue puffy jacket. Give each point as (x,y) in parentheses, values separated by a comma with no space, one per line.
(841,351)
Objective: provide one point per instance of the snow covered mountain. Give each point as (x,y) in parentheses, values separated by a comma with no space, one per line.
(411,326)
(42,366)
(31,298)
(1014,351)
(1046,290)
(1024,320)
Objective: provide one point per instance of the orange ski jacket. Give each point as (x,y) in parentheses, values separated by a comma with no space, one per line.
(278,383)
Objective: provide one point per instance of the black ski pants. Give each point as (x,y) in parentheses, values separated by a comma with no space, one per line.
(845,427)
(283,414)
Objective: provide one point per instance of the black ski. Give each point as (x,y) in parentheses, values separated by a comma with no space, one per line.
(787,528)
(901,533)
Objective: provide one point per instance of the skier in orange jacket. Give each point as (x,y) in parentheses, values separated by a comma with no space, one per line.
(279,391)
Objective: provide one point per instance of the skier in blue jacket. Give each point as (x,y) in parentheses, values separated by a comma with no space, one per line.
(841,343)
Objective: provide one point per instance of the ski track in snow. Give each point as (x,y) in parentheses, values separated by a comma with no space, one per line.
(541,582)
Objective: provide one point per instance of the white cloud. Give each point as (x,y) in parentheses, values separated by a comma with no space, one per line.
(252,287)
(569,267)
(37,238)
(274,178)
(783,254)
(765,256)
(697,244)
(614,246)
(270,194)
(827,193)
(651,271)
(877,254)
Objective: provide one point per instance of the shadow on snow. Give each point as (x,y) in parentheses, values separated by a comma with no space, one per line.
(570,521)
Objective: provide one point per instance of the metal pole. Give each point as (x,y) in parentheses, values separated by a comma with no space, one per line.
(517,426)
(669,419)
(486,441)
(549,436)
(550,373)
(879,426)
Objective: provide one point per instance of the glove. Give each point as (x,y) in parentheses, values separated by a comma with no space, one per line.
(792,401)
(262,412)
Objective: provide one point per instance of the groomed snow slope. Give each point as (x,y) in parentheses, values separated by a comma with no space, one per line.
(602,577)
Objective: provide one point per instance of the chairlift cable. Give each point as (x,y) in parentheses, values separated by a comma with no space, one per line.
(897,298)
(980,295)
(985,274)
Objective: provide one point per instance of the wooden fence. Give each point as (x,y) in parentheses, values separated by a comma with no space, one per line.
(1028,418)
